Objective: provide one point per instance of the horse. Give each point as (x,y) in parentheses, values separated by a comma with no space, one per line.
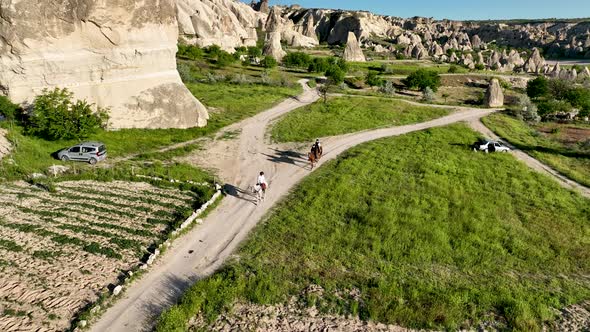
(258,192)
(314,158)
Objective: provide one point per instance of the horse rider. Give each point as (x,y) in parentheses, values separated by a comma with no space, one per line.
(317,149)
(261,181)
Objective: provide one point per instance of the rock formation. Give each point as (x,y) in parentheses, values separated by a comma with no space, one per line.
(353,51)
(5,145)
(273,47)
(117,54)
(261,6)
(494,96)
(535,62)
(226,23)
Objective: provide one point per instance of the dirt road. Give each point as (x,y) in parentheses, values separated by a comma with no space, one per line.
(533,163)
(238,161)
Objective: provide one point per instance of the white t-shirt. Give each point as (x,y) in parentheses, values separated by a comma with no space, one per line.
(261,180)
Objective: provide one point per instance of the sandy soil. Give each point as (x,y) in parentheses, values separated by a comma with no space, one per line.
(238,161)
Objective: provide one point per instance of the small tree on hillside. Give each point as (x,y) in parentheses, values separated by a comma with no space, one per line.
(56,115)
(8,110)
(269,62)
(373,79)
(539,87)
(422,79)
(428,95)
(335,75)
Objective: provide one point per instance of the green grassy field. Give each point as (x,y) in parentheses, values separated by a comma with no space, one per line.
(433,236)
(237,102)
(572,161)
(349,114)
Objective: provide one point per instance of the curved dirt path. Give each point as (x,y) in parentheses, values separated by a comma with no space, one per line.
(205,248)
(531,162)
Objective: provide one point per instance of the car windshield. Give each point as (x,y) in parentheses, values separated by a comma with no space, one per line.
(102,148)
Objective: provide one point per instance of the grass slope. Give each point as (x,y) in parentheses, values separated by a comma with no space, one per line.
(571,161)
(344,115)
(431,234)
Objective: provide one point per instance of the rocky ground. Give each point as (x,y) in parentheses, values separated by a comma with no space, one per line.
(59,250)
(5,145)
(295,318)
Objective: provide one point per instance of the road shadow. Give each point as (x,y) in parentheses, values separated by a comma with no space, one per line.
(170,291)
(239,193)
(286,157)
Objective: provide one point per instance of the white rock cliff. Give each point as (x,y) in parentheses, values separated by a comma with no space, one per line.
(118,54)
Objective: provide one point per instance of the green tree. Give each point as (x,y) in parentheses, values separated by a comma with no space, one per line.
(297,60)
(56,115)
(190,52)
(224,59)
(335,74)
(422,79)
(8,110)
(319,65)
(553,106)
(539,87)
(269,62)
(453,69)
(254,52)
(373,79)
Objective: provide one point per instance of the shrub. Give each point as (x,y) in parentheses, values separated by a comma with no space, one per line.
(191,52)
(319,65)
(388,88)
(269,62)
(373,79)
(224,59)
(553,106)
(265,78)
(579,97)
(539,87)
(297,60)
(185,72)
(56,116)
(254,52)
(422,79)
(8,110)
(240,79)
(559,89)
(480,66)
(335,74)
(527,110)
(453,69)
(428,95)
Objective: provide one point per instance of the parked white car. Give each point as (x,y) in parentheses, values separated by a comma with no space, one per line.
(490,146)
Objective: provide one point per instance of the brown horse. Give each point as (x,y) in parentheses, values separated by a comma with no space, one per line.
(314,157)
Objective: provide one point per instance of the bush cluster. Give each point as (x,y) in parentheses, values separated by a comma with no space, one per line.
(56,115)
(422,79)
(553,96)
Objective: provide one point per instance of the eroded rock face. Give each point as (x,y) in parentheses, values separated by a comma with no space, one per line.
(494,96)
(353,51)
(226,23)
(118,54)
(273,46)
